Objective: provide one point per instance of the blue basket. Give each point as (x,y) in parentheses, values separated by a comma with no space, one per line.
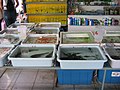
(73,77)
(112,76)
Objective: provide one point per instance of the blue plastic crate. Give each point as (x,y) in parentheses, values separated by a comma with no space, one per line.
(73,77)
(112,76)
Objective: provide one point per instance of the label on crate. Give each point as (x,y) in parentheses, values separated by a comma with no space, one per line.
(115,74)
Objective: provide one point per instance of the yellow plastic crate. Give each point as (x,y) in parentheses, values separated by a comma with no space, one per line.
(46,8)
(37,19)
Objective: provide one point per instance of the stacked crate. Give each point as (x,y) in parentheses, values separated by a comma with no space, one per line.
(47,11)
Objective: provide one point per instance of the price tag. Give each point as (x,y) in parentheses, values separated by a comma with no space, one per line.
(22,30)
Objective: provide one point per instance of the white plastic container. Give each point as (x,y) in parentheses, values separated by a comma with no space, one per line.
(11,31)
(41,39)
(49,25)
(4,54)
(111,37)
(76,37)
(9,39)
(14,25)
(113,54)
(44,31)
(78,50)
(26,58)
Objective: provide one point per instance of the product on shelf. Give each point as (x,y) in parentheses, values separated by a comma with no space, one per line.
(80,21)
(95,7)
(112,10)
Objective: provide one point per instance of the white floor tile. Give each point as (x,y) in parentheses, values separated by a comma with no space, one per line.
(117,86)
(64,87)
(2,70)
(10,86)
(9,76)
(31,70)
(4,86)
(38,86)
(26,77)
(45,77)
(13,69)
(84,87)
(22,86)
(42,70)
(106,87)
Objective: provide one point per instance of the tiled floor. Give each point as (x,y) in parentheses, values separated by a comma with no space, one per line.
(27,79)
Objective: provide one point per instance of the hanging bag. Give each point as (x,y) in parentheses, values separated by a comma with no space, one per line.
(3,25)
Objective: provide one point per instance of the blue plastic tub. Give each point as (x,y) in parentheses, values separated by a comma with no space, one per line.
(112,76)
(73,77)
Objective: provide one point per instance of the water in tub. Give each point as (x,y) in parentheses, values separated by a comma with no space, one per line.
(81,53)
(114,53)
(3,51)
(34,52)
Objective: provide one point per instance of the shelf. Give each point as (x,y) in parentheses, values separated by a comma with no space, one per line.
(52,68)
(56,68)
(97,6)
(94,16)
(102,4)
(72,28)
(46,2)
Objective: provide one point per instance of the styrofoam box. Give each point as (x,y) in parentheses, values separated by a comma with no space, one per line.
(4,59)
(34,62)
(114,63)
(41,35)
(81,64)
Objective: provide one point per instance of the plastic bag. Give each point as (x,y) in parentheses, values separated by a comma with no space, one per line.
(3,25)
